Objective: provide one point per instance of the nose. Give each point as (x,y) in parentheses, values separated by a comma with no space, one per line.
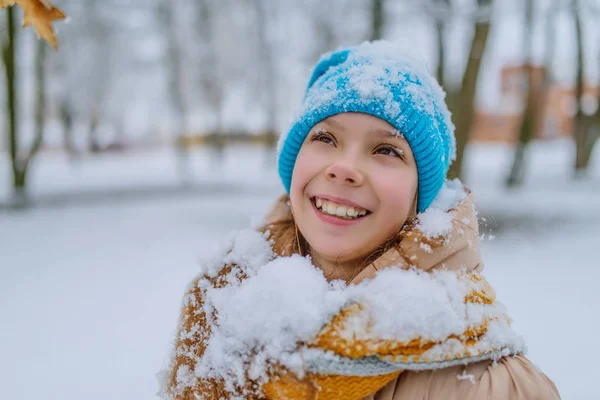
(344,173)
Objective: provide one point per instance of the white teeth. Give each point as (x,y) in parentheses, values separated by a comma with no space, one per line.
(330,208)
(338,210)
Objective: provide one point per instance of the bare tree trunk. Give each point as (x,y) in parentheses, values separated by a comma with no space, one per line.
(550,49)
(439,12)
(593,133)
(93,123)
(175,88)
(595,126)
(439,29)
(211,86)
(268,76)
(532,93)
(21,159)
(98,29)
(377,19)
(40,100)
(585,134)
(8,56)
(324,27)
(66,116)
(463,106)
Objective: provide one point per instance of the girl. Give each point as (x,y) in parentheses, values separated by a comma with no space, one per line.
(364,282)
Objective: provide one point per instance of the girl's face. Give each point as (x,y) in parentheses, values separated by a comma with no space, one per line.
(353,187)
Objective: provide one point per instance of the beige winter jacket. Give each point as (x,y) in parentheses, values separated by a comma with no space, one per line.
(512,377)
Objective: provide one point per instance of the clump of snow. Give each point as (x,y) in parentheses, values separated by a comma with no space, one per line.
(436,306)
(426,247)
(185,376)
(436,220)
(464,376)
(248,248)
(266,318)
(452,193)
(400,63)
(263,318)
(397,133)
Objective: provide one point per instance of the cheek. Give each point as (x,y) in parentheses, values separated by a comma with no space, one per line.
(306,169)
(300,178)
(396,194)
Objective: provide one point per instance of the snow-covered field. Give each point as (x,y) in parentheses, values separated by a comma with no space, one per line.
(90,291)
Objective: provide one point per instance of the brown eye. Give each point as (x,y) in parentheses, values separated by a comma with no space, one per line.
(389,151)
(322,137)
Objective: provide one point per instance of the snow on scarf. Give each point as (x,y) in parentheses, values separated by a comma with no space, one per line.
(258,326)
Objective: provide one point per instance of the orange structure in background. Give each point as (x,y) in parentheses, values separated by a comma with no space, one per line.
(554,116)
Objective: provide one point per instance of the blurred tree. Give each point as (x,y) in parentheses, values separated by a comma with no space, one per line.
(19,164)
(550,37)
(586,132)
(66,116)
(440,9)
(377,19)
(173,58)
(99,74)
(41,19)
(462,103)
(323,24)
(40,98)
(21,158)
(266,13)
(212,85)
(533,98)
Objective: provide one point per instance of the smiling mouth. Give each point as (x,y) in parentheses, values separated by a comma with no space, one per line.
(328,207)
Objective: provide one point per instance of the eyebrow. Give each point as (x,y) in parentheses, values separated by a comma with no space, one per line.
(332,122)
(392,134)
(388,133)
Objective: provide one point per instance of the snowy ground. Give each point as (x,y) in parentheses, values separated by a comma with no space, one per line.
(90,292)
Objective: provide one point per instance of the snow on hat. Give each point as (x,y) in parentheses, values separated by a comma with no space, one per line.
(385,80)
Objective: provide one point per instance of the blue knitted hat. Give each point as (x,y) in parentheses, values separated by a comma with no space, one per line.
(384,80)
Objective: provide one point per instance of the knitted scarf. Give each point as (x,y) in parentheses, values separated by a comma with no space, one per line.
(388,326)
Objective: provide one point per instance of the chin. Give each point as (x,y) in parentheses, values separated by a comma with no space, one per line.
(337,253)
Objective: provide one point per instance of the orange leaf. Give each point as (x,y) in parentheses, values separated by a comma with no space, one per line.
(40,14)
(6,3)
